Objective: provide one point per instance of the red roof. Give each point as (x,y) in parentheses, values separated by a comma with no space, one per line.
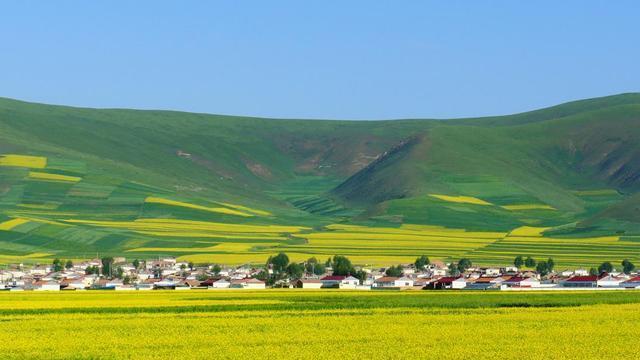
(634,279)
(590,278)
(334,278)
(448,279)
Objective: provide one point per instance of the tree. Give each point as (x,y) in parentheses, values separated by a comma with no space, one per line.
(312,266)
(279,262)
(183,267)
(263,275)
(530,262)
(342,266)
(107,266)
(68,265)
(136,263)
(627,266)
(605,267)
(593,271)
(126,280)
(191,265)
(453,269)
(395,271)
(295,270)
(518,261)
(216,269)
(119,272)
(542,268)
(90,270)
(57,265)
(550,264)
(361,275)
(421,262)
(464,264)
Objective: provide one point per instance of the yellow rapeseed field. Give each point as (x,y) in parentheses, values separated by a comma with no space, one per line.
(528,207)
(318,325)
(528,231)
(597,192)
(10,224)
(246,209)
(221,210)
(175,226)
(460,199)
(37,175)
(34,162)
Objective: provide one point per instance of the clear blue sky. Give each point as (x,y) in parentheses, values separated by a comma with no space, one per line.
(319,59)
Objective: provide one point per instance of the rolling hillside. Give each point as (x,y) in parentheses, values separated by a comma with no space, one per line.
(561,182)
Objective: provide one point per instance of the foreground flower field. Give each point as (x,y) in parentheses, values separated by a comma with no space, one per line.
(319,324)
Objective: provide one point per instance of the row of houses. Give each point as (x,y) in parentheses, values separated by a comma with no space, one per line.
(169,274)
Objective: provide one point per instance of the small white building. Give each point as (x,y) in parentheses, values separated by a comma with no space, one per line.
(510,269)
(581,272)
(46,286)
(491,271)
(610,281)
(393,282)
(40,270)
(144,287)
(522,282)
(221,284)
(307,283)
(248,283)
(349,282)
(632,283)
(450,282)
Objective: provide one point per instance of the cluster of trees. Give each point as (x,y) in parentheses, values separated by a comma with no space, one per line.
(422,262)
(397,270)
(542,267)
(546,267)
(282,267)
(456,268)
(627,267)
(59,265)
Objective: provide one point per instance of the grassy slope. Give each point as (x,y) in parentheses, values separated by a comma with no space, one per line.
(381,172)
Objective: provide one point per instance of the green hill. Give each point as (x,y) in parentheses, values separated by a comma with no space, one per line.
(78,182)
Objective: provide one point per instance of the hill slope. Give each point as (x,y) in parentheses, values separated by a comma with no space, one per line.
(75,182)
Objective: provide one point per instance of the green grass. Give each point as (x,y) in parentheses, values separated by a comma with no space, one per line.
(315,173)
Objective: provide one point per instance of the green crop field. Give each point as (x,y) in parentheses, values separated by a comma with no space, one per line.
(76,183)
(319,324)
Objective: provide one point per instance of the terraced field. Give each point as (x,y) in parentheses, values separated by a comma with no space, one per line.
(319,325)
(145,225)
(560,182)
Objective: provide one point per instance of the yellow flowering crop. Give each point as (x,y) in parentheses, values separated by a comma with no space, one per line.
(10,224)
(461,199)
(528,231)
(317,325)
(35,162)
(36,175)
(221,210)
(528,207)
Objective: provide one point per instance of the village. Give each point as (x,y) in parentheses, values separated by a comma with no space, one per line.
(116,273)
